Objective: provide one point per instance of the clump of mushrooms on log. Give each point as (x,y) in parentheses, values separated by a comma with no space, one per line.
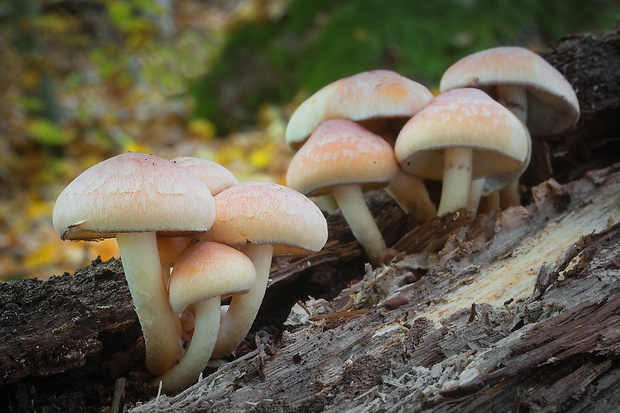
(190,235)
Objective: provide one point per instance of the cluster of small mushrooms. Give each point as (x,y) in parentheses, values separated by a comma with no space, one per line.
(380,129)
(190,235)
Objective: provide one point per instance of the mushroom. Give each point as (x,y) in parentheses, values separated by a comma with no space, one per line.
(216,178)
(134,197)
(212,174)
(382,101)
(344,159)
(462,134)
(202,274)
(526,84)
(261,217)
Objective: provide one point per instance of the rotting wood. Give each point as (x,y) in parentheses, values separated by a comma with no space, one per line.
(413,357)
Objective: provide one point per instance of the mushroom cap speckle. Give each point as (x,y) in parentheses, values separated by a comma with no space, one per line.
(267,213)
(552,103)
(340,152)
(209,269)
(462,118)
(133,192)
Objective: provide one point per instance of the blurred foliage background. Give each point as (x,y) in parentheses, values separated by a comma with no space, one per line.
(83,80)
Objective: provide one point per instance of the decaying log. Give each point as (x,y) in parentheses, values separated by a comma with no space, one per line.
(519,311)
(479,329)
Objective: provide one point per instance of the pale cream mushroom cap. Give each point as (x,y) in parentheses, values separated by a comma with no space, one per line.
(267,213)
(133,192)
(212,174)
(308,115)
(462,118)
(341,152)
(368,97)
(552,103)
(209,269)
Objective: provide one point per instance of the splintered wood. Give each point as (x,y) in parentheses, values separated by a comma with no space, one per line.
(530,292)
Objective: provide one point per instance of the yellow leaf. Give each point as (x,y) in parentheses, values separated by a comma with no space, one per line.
(43,255)
(202,128)
(260,159)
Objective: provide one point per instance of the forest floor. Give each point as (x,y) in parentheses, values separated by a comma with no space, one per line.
(104,113)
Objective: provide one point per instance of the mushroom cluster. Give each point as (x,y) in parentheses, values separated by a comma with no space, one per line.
(474,136)
(189,236)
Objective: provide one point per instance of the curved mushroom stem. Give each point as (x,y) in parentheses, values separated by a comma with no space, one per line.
(150,298)
(411,194)
(352,203)
(456,179)
(199,351)
(243,308)
(513,98)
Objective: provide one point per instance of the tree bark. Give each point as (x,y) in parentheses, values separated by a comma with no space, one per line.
(520,310)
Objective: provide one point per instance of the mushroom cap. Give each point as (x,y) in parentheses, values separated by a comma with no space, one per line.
(552,103)
(212,174)
(267,213)
(341,152)
(462,118)
(382,96)
(209,269)
(133,192)
(308,115)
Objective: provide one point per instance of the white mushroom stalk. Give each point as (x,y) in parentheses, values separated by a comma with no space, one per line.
(352,204)
(187,371)
(456,179)
(150,297)
(203,273)
(411,195)
(342,158)
(243,309)
(513,98)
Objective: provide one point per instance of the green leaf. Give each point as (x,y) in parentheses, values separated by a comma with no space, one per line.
(48,133)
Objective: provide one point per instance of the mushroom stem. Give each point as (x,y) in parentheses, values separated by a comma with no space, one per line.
(352,203)
(489,203)
(475,193)
(457,172)
(513,98)
(150,298)
(326,203)
(411,195)
(195,360)
(243,308)
(509,195)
